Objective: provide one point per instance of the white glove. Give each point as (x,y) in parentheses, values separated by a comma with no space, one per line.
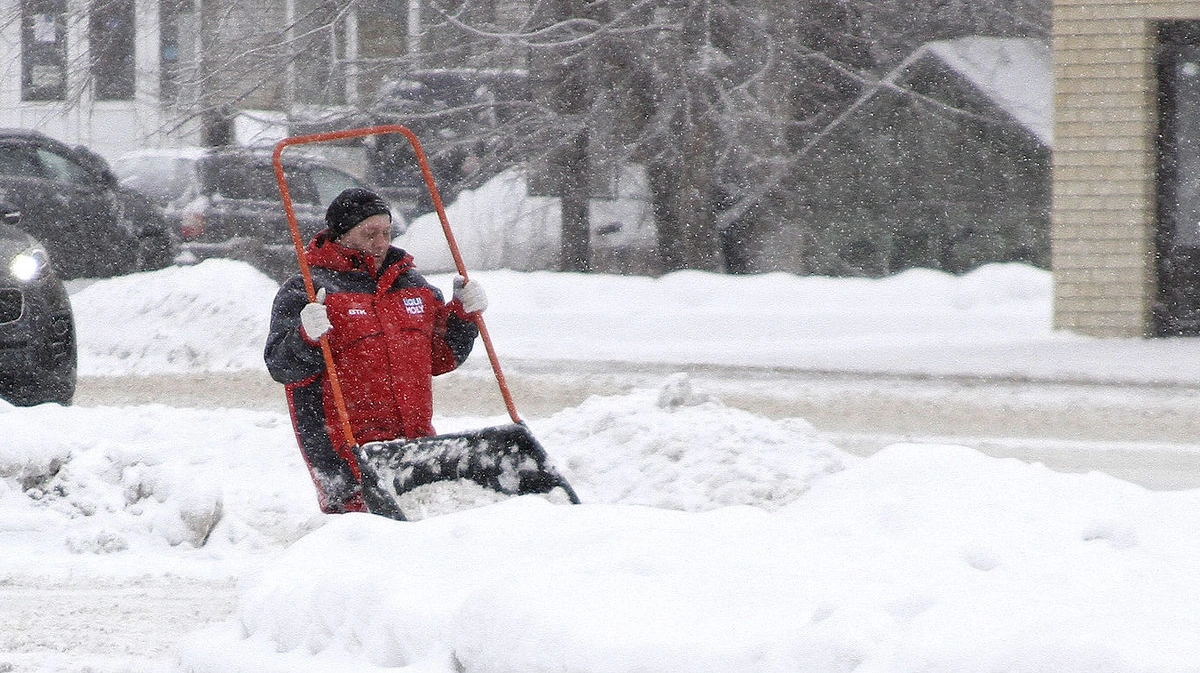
(470,293)
(314,318)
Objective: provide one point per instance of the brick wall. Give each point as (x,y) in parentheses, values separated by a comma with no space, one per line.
(1104,163)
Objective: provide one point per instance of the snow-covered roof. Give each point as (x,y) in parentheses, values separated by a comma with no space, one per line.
(1014,73)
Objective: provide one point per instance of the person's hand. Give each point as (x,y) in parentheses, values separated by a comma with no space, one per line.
(314,318)
(471,294)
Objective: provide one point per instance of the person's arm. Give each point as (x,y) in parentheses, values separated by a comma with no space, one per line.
(289,354)
(459,336)
(454,332)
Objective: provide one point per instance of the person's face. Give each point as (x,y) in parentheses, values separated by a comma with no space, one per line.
(372,236)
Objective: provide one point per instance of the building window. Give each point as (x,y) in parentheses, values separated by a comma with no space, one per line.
(111,36)
(43,50)
(178,35)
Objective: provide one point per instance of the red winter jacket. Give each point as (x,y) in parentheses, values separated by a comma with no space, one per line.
(391,333)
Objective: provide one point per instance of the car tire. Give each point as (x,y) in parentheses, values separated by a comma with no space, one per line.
(59,389)
(56,387)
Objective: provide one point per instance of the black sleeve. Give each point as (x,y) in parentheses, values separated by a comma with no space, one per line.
(289,356)
(460,334)
(460,337)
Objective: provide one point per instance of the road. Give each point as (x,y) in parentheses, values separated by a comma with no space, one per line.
(1146,433)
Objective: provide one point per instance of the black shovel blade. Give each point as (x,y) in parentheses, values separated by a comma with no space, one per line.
(506,458)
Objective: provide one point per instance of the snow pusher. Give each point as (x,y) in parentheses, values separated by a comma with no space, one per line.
(506,458)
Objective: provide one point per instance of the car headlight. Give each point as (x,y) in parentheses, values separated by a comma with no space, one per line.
(29,265)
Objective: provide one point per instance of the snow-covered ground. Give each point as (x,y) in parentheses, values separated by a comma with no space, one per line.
(711,539)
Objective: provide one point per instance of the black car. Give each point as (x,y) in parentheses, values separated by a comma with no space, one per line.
(71,201)
(224,201)
(452,112)
(37,329)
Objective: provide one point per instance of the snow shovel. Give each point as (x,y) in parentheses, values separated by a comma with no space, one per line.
(507,459)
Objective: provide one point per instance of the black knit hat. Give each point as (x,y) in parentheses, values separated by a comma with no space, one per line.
(350,208)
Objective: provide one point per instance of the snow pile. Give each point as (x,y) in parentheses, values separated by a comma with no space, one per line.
(214,317)
(151,479)
(920,558)
(497,226)
(937,558)
(166,485)
(994,285)
(900,322)
(209,317)
(675,449)
(519,586)
(993,321)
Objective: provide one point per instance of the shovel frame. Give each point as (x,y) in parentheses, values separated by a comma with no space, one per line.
(298,243)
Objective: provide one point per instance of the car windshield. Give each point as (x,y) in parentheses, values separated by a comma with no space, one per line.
(162,179)
(229,175)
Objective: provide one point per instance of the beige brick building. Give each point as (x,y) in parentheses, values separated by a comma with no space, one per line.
(1126,168)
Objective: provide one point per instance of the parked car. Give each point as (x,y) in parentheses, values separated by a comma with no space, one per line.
(37,329)
(224,201)
(452,112)
(72,203)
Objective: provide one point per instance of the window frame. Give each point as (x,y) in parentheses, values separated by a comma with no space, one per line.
(43,50)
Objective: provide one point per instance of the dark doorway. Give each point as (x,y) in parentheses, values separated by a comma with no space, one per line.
(1177,239)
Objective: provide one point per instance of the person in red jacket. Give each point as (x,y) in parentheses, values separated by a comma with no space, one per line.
(389,330)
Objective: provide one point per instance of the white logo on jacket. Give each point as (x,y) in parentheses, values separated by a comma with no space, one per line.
(357,311)
(414,305)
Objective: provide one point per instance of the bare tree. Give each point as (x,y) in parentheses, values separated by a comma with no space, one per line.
(721,100)
(710,95)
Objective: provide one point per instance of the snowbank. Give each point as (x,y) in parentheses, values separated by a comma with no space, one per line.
(920,558)
(994,321)
(209,317)
(213,487)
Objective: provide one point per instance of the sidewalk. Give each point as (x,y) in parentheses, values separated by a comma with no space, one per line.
(1061,357)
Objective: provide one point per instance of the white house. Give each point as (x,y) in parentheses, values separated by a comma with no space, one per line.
(123,74)
(82,77)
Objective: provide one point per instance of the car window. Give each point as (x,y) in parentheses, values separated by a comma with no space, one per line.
(232,181)
(300,185)
(330,182)
(19,160)
(63,170)
(163,179)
